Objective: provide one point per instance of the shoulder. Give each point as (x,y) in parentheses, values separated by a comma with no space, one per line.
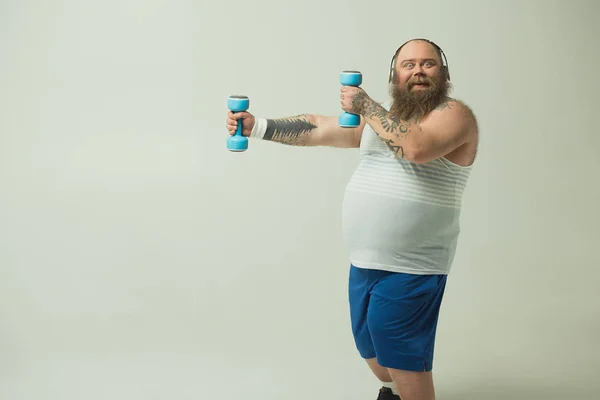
(455,107)
(455,115)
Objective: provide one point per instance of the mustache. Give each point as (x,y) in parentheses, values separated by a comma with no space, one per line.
(420,80)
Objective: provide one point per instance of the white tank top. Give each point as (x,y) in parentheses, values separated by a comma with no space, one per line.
(399,216)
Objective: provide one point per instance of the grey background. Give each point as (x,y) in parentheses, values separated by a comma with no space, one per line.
(139,259)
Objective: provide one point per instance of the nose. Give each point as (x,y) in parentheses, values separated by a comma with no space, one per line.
(418,71)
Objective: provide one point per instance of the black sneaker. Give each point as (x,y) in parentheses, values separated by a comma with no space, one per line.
(386,393)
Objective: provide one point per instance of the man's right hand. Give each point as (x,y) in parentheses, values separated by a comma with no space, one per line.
(248,121)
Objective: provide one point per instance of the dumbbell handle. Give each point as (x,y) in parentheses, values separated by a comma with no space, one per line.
(238,142)
(350,78)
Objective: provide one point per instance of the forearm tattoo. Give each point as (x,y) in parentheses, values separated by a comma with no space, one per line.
(394,147)
(294,131)
(393,125)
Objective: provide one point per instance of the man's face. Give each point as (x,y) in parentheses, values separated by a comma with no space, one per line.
(420,85)
(417,66)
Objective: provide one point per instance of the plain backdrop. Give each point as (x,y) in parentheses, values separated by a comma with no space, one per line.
(141,260)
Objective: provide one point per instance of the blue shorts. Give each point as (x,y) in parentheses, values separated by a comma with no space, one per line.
(394,316)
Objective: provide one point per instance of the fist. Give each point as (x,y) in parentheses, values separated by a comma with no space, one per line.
(353,99)
(233,119)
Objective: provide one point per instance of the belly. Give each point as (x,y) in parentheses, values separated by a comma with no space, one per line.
(372,220)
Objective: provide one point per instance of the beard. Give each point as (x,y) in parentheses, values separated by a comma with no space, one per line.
(414,105)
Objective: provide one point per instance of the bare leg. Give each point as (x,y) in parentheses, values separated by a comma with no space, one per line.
(380,372)
(387,383)
(413,385)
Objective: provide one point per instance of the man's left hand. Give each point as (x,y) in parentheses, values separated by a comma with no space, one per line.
(354,99)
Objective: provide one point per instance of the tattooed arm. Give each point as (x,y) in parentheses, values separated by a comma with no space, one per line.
(299,130)
(312,130)
(445,129)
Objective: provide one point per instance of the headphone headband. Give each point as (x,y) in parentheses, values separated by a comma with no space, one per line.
(439,50)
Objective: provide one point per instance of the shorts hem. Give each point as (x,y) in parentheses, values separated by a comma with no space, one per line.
(366,355)
(407,363)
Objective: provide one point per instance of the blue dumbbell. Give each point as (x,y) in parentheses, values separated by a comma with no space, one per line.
(350,78)
(238,142)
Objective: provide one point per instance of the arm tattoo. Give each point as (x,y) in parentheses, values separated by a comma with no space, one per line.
(294,131)
(394,148)
(390,123)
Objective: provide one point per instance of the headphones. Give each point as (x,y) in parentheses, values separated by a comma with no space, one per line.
(439,50)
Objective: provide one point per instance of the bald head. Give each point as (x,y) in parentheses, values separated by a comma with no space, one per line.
(420,83)
(423,47)
(418,56)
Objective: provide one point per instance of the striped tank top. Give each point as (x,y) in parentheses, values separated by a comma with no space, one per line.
(399,216)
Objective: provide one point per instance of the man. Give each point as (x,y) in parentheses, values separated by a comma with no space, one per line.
(401,208)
